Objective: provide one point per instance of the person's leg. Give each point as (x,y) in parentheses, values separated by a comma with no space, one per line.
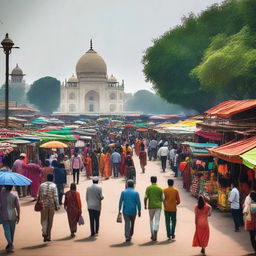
(167,223)
(174,221)
(151,219)
(157,222)
(97,220)
(7,233)
(50,221)
(74,175)
(18,190)
(127,226)
(235,215)
(77,177)
(44,222)
(91,216)
(12,225)
(132,219)
(252,238)
(164,162)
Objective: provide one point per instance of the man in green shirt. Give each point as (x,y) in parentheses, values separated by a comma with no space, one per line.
(153,201)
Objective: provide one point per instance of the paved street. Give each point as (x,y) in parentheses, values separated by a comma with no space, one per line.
(223,240)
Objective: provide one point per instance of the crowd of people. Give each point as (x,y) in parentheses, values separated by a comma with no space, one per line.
(49,178)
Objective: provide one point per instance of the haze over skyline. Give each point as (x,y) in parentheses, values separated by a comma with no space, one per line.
(54,34)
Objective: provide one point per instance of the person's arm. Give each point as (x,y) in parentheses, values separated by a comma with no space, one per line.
(210,211)
(138,204)
(232,196)
(56,199)
(65,202)
(101,195)
(86,196)
(177,199)
(17,206)
(121,202)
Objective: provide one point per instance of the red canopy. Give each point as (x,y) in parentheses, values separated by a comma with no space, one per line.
(231,150)
(208,135)
(229,108)
(142,130)
(129,125)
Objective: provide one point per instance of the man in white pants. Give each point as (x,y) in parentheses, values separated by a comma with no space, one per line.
(153,201)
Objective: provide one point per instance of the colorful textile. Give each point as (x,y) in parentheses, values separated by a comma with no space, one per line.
(34,172)
(88,166)
(108,167)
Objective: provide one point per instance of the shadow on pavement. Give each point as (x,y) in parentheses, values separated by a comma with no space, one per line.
(35,247)
(124,244)
(149,243)
(3,252)
(166,242)
(64,238)
(87,239)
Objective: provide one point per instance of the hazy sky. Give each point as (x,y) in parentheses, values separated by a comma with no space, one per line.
(53,34)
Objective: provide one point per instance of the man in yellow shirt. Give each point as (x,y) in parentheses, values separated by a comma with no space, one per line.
(171,200)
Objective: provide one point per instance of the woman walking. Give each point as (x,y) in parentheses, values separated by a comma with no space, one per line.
(202,233)
(250,217)
(143,158)
(73,207)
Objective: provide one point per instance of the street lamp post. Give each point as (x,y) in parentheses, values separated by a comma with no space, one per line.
(7,45)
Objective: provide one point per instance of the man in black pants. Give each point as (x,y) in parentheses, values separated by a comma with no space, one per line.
(93,198)
(76,166)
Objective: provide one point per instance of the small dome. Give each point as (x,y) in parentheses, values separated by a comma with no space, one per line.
(73,79)
(17,70)
(91,62)
(112,79)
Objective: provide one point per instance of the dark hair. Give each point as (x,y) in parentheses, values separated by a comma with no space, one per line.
(170,182)
(55,163)
(95,181)
(130,184)
(73,186)
(75,154)
(128,153)
(235,184)
(50,177)
(61,165)
(47,163)
(21,157)
(8,187)
(201,202)
(153,179)
(253,196)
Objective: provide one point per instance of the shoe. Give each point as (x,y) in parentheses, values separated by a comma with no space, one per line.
(237,230)
(154,236)
(203,251)
(72,235)
(45,239)
(93,234)
(128,240)
(169,237)
(173,236)
(48,240)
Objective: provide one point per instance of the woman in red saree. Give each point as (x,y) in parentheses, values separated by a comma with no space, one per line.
(122,164)
(202,233)
(73,207)
(128,163)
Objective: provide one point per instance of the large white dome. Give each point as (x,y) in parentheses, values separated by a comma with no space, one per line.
(91,63)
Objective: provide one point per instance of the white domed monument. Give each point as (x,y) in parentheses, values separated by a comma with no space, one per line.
(91,91)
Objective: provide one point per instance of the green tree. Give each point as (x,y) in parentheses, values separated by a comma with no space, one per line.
(45,94)
(150,103)
(228,65)
(169,62)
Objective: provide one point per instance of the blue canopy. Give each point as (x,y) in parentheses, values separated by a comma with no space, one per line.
(200,145)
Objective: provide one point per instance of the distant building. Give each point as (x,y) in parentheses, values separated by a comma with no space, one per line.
(91,91)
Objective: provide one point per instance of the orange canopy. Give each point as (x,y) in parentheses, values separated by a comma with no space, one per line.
(230,151)
(229,108)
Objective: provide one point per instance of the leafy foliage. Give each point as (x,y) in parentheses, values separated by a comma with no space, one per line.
(45,94)
(169,62)
(150,103)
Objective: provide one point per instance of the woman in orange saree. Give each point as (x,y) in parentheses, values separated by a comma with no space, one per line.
(102,163)
(202,233)
(88,166)
(107,168)
(73,207)
(137,147)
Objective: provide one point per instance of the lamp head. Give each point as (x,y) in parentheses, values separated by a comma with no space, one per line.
(7,43)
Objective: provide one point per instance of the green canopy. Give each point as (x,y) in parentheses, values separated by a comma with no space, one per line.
(48,137)
(140,124)
(60,132)
(249,158)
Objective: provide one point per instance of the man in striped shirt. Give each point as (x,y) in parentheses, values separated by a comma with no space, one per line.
(49,197)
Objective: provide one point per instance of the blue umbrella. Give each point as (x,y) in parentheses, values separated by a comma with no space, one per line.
(13,178)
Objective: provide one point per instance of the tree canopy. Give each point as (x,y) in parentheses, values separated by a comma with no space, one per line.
(150,103)
(45,94)
(184,64)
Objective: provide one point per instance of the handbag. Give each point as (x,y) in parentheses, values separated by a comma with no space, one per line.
(39,205)
(119,218)
(81,220)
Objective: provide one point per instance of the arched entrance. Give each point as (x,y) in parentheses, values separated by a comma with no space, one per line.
(92,102)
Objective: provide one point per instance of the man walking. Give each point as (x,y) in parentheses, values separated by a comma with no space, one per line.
(171,200)
(49,196)
(153,201)
(10,215)
(93,198)
(163,152)
(234,199)
(116,160)
(152,149)
(76,166)
(129,203)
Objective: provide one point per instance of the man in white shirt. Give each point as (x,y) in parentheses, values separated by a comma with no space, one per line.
(234,199)
(162,154)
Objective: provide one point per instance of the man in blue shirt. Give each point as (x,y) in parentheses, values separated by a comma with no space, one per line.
(116,160)
(130,201)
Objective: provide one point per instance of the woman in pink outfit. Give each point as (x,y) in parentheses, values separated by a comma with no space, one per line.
(202,233)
